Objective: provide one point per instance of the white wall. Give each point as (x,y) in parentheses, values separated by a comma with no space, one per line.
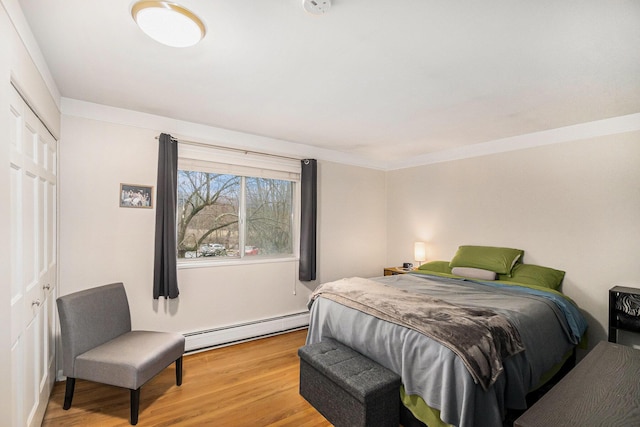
(574,206)
(352,222)
(102,243)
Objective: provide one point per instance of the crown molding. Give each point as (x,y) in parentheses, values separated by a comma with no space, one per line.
(209,134)
(582,131)
(235,139)
(19,21)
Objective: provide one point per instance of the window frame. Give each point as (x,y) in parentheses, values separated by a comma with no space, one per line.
(233,162)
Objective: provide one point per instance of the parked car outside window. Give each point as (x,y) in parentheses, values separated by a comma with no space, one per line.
(213,249)
(251,250)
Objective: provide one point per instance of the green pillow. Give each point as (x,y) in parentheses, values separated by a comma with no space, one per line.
(437,266)
(500,260)
(529,274)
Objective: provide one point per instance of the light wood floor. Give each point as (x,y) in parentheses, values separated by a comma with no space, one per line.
(251,384)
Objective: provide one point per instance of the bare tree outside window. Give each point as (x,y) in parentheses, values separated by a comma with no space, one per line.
(209,212)
(269,216)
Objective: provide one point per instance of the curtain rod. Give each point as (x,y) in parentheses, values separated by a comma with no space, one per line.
(240,150)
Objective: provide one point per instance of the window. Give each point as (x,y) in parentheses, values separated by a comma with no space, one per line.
(235,210)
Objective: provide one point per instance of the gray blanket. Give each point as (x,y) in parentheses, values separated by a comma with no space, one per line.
(480,337)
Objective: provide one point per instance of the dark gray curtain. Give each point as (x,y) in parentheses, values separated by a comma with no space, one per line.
(308,219)
(165,278)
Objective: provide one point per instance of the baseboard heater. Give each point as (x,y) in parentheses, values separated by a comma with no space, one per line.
(219,337)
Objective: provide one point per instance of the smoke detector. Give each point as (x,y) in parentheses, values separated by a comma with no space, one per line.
(316,7)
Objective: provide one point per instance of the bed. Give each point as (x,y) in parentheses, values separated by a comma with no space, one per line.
(470,338)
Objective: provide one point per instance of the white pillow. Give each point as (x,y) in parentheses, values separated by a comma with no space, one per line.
(474,273)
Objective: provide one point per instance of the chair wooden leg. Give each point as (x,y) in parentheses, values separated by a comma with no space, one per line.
(179,371)
(68,392)
(135,406)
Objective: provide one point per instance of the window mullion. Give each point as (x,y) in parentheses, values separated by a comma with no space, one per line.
(243,216)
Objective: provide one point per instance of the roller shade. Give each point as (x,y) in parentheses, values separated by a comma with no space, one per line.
(211,160)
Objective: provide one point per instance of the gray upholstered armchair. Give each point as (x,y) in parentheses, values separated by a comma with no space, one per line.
(99,345)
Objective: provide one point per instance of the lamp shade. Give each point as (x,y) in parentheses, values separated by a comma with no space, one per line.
(420,251)
(168,23)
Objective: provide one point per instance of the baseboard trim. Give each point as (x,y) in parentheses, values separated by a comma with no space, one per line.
(219,337)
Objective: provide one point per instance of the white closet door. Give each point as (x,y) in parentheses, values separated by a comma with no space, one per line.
(33,262)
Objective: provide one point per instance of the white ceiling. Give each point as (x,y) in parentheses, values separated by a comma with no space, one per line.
(380,79)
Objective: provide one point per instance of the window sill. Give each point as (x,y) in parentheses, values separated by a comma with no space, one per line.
(234,262)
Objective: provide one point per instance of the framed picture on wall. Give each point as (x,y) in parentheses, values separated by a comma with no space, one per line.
(136,196)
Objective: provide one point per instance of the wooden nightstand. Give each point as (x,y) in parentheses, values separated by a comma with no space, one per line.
(392,271)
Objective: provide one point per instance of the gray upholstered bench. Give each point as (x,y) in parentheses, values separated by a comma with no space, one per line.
(347,388)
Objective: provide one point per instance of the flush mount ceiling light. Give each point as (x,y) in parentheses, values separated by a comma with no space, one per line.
(168,23)
(316,7)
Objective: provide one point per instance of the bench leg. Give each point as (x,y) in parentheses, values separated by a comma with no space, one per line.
(179,371)
(68,392)
(135,405)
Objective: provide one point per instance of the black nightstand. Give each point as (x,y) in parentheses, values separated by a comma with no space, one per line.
(617,319)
